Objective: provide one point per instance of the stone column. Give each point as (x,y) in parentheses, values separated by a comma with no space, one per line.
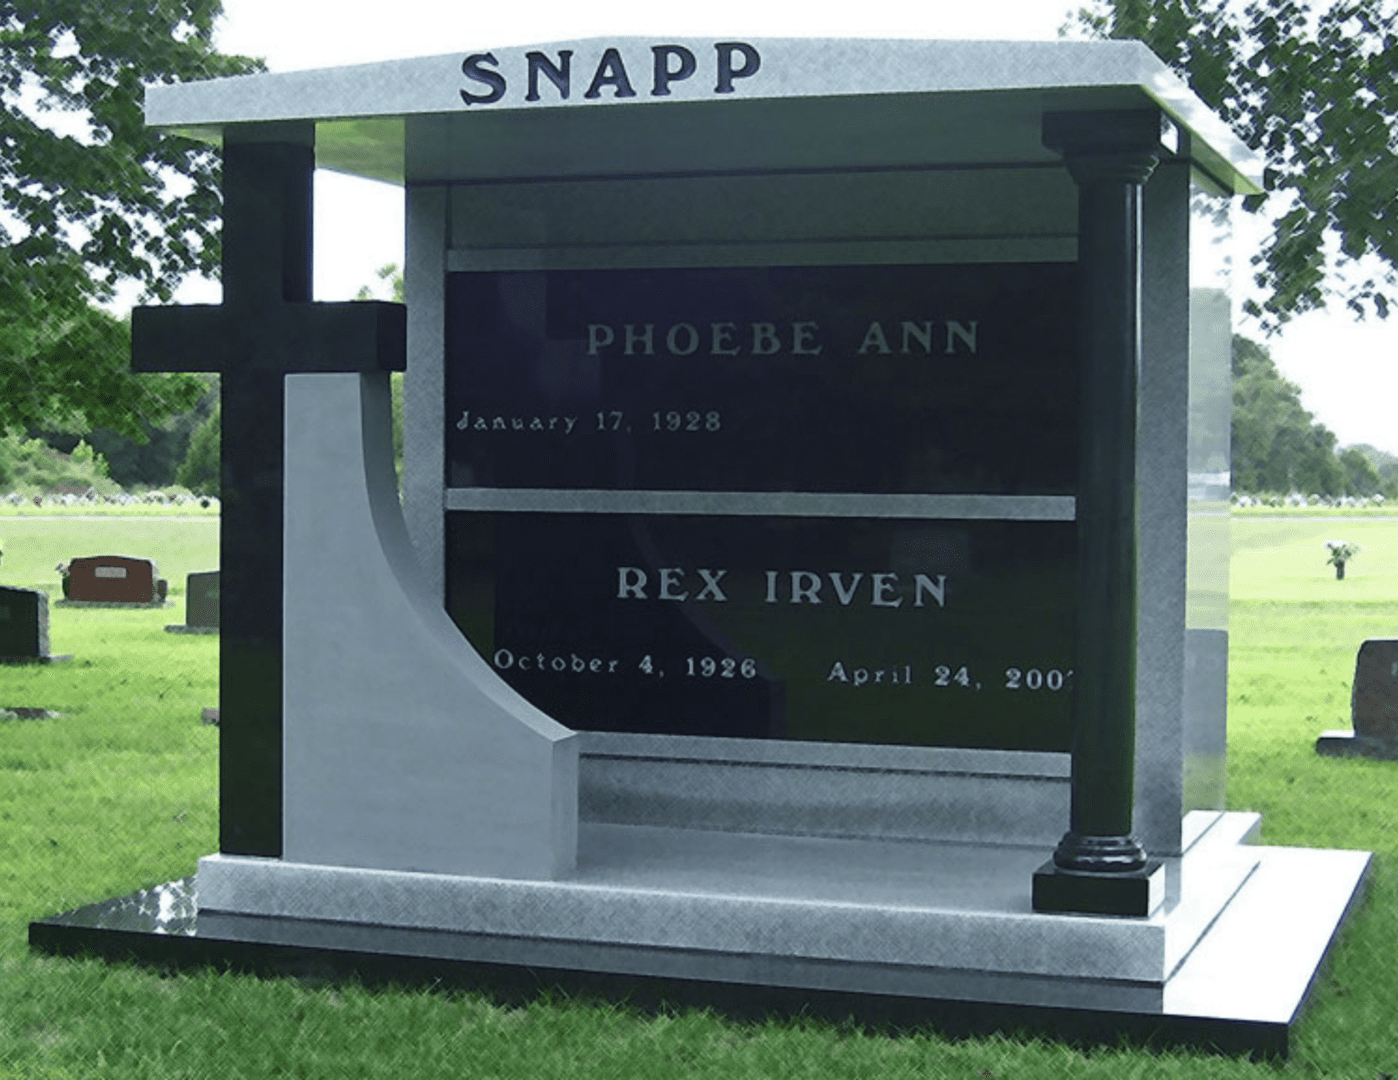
(1099,865)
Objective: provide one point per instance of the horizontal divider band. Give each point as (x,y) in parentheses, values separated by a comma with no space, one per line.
(764,504)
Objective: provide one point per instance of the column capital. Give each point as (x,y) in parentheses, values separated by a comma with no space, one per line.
(1119,146)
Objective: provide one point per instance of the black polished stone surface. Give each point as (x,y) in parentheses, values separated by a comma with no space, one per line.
(940,633)
(1127,894)
(856,379)
(161,927)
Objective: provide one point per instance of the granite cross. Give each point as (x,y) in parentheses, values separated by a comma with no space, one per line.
(266,327)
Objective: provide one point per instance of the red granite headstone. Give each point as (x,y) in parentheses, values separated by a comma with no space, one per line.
(112,579)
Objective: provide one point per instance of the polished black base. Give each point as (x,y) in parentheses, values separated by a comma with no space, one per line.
(1135,893)
(162,927)
(20,661)
(1351,744)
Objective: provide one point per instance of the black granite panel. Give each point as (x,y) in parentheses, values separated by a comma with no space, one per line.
(858,379)
(941,633)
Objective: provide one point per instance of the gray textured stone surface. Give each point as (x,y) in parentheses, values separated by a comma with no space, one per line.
(403,750)
(403,118)
(867,902)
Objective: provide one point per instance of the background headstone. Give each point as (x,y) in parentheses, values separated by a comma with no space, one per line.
(114,579)
(1374,700)
(201,604)
(1373,705)
(24,627)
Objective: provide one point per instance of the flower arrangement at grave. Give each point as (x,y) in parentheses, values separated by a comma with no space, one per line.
(1341,552)
(63,576)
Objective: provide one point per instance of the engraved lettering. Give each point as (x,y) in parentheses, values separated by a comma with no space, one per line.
(922,333)
(558,74)
(646,337)
(965,333)
(804,586)
(664,73)
(883,584)
(472,67)
(727,50)
(845,595)
(599,336)
(801,334)
(670,578)
(711,579)
(631,583)
(764,339)
(721,342)
(874,339)
(610,72)
(691,337)
(937,589)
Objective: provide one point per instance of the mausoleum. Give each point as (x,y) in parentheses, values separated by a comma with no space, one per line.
(811,580)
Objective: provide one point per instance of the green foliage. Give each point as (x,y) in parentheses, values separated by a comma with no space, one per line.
(31,467)
(1314,88)
(1385,466)
(89,197)
(200,469)
(68,368)
(1277,446)
(84,457)
(392,277)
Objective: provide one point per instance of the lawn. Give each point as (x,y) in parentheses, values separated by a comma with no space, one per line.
(120,793)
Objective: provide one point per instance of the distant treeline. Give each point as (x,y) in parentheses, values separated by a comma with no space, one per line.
(1279,447)
(182,452)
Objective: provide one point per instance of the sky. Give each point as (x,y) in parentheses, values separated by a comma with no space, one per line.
(1347,370)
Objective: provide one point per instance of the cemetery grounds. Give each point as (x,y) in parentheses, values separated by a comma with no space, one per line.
(119,793)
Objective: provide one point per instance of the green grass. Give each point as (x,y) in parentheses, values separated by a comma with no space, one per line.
(120,794)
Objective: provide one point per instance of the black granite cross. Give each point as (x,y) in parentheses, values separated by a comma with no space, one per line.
(266,328)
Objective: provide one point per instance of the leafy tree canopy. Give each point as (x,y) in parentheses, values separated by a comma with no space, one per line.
(1279,447)
(90,198)
(1313,86)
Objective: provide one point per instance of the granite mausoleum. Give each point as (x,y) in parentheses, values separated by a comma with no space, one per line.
(811,541)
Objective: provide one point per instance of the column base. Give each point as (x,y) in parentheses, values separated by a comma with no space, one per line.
(1136,893)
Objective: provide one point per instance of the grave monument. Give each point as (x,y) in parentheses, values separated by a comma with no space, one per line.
(24,627)
(812,583)
(1373,706)
(114,579)
(200,605)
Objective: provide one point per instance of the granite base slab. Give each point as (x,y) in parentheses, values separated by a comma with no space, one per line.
(927,904)
(1239,988)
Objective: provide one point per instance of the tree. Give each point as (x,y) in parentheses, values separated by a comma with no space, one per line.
(391,276)
(90,198)
(1277,445)
(1315,90)
(1361,478)
(200,469)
